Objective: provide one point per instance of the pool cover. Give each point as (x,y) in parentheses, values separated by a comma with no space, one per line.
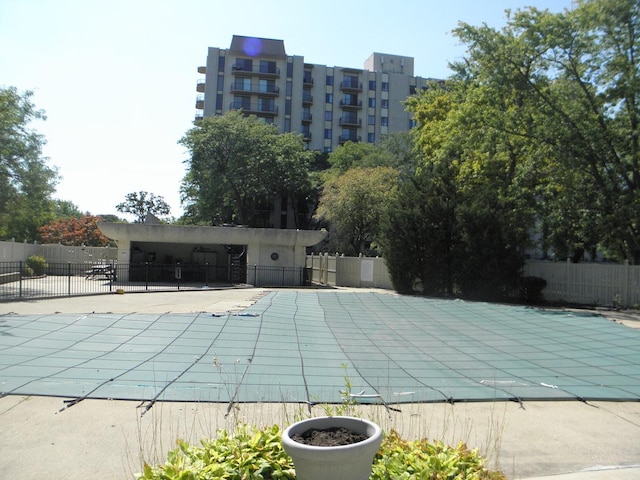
(305,346)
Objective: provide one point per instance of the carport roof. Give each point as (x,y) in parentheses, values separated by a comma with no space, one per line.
(144,232)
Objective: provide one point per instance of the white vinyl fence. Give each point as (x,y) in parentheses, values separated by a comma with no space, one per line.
(16,252)
(599,284)
(343,271)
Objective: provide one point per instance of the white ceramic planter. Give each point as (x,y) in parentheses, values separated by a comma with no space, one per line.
(344,462)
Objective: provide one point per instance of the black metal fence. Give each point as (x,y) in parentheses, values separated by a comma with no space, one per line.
(18,281)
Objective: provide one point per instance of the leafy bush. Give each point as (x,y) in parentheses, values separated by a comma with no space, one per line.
(38,265)
(258,454)
(402,460)
(531,289)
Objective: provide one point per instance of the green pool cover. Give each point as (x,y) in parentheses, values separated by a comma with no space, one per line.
(299,346)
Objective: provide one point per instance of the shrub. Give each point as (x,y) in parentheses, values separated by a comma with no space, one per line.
(38,264)
(258,454)
(531,289)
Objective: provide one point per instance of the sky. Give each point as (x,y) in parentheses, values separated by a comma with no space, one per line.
(117,79)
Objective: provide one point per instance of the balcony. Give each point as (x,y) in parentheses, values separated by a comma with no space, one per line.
(200,102)
(350,86)
(351,105)
(307,117)
(350,121)
(307,98)
(349,138)
(307,81)
(241,87)
(254,108)
(255,70)
(200,87)
(306,136)
(199,117)
(202,69)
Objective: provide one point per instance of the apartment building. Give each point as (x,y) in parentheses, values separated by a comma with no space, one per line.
(327,105)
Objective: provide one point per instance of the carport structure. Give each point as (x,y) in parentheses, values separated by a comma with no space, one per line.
(298,346)
(216,247)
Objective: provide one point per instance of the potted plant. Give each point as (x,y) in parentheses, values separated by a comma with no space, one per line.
(339,448)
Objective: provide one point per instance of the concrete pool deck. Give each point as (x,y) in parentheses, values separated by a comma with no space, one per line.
(108,439)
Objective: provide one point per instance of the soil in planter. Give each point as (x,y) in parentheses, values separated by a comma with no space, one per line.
(330,437)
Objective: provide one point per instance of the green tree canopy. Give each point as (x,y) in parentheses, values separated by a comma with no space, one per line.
(142,203)
(26,181)
(238,167)
(353,203)
(563,89)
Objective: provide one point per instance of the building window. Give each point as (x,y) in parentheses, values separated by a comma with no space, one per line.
(287,125)
(267,66)
(384,121)
(242,83)
(328,133)
(241,102)
(289,88)
(385,86)
(372,84)
(371,137)
(328,98)
(371,120)
(329,80)
(306,77)
(350,99)
(384,104)
(266,104)
(287,107)
(245,64)
(289,70)
(372,103)
(220,85)
(221,63)
(412,90)
(219,101)
(328,115)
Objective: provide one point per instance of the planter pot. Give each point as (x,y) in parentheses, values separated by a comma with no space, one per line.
(344,462)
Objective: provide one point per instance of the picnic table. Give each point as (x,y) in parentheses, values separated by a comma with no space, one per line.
(106,270)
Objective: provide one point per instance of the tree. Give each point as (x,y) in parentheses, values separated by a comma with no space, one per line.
(418,232)
(238,167)
(26,182)
(142,203)
(353,204)
(460,225)
(66,209)
(566,88)
(74,231)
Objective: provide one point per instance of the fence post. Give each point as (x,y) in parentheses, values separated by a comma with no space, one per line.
(20,289)
(206,274)
(69,279)
(146,275)
(625,285)
(567,282)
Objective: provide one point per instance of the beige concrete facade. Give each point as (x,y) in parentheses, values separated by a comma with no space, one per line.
(327,105)
(193,244)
